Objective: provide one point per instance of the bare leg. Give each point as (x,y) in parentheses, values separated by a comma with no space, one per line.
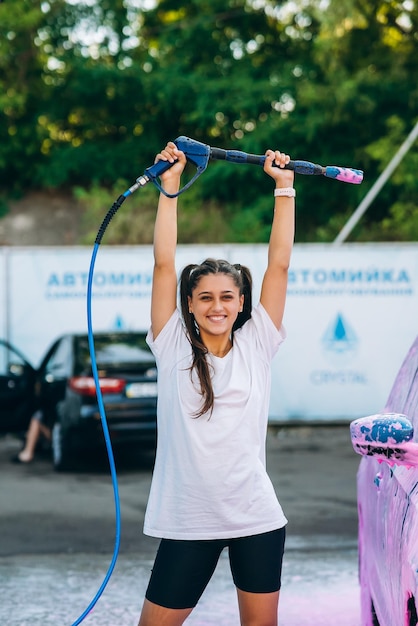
(35,430)
(155,615)
(258,609)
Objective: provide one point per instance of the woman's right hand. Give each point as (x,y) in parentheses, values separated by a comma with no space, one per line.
(173,155)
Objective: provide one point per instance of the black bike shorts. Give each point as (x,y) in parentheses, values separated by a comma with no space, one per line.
(182,569)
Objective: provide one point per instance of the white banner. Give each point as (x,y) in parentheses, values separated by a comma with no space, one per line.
(351,313)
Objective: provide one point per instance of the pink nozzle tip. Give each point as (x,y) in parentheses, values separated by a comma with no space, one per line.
(345,174)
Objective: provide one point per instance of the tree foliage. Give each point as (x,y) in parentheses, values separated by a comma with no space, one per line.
(90,91)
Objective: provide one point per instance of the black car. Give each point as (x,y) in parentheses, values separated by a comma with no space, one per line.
(128,382)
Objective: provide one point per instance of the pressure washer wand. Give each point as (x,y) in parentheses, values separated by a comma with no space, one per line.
(344,174)
(199,154)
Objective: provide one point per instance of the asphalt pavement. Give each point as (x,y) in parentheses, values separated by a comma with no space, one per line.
(57,535)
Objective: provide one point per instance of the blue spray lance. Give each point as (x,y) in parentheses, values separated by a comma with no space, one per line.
(199,155)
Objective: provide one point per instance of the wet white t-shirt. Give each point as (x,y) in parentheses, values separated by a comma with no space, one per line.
(209,479)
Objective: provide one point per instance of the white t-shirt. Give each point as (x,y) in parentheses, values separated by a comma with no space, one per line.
(209,479)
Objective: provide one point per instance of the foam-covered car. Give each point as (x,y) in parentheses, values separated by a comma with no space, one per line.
(387,486)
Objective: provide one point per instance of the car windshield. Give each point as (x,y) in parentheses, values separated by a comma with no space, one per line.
(114,350)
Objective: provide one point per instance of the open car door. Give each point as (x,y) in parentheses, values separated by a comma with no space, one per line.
(17,389)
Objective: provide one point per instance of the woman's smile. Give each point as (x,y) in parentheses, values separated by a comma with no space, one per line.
(216,318)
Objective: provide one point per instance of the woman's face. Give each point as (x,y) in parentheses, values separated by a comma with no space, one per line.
(215,304)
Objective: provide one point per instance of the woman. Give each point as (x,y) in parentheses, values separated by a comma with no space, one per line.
(210,489)
(36,431)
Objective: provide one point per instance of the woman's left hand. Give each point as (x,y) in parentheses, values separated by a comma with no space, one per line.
(274,167)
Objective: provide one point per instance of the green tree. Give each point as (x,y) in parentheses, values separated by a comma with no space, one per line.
(367,97)
(90,93)
(22,92)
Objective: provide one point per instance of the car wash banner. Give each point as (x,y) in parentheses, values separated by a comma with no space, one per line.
(351,316)
(351,313)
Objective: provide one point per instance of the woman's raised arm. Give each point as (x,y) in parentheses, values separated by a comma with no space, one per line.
(273,291)
(164,283)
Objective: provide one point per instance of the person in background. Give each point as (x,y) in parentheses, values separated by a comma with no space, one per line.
(210,489)
(37,430)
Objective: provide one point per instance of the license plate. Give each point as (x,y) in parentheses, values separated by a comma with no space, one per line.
(141,390)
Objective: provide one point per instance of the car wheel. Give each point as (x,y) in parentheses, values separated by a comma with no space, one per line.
(412,612)
(61,449)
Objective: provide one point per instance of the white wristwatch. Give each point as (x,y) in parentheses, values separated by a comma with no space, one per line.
(290,192)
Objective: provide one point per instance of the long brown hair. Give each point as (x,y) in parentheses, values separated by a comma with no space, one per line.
(189,279)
